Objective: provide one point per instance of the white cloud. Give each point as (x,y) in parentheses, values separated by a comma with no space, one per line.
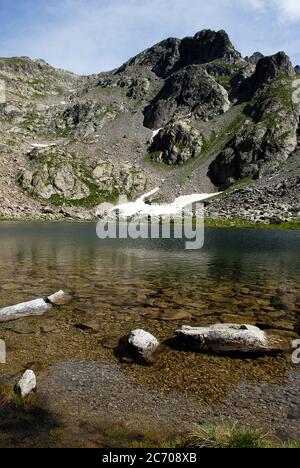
(286,10)
(256,4)
(98,35)
(289,9)
(89,36)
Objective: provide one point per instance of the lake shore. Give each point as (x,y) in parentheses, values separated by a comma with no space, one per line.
(237,223)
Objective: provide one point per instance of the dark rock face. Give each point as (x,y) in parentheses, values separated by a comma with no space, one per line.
(273,198)
(176,143)
(253,147)
(190,90)
(205,47)
(270,131)
(297,69)
(174,54)
(255,58)
(162,58)
(200,70)
(267,70)
(241,158)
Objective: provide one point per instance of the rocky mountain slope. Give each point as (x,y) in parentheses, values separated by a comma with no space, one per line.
(189,116)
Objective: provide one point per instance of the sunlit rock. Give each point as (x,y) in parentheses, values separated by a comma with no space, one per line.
(226,338)
(26,385)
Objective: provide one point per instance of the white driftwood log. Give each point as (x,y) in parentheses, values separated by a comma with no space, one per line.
(25,309)
(143,344)
(226,338)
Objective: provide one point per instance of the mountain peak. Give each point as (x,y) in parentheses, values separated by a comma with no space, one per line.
(80,141)
(207,46)
(162,57)
(173,54)
(255,58)
(268,68)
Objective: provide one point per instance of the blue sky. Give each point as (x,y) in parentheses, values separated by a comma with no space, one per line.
(89,36)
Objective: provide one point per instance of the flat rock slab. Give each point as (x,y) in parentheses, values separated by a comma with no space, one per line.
(111,342)
(223,338)
(174,315)
(21,329)
(91,326)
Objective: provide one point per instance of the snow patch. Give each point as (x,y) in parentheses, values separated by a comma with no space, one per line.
(154,133)
(43,145)
(139,207)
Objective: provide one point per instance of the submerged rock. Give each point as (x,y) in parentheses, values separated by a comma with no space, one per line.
(226,338)
(284,300)
(91,326)
(111,342)
(169,315)
(44,329)
(142,344)
(26,385)
(21,329)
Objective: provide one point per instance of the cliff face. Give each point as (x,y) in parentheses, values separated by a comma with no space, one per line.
(187,115)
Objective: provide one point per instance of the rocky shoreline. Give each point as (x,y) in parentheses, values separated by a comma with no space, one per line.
(222,223)
(138,414)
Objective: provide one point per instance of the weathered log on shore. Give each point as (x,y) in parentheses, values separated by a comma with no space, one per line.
(25,309)
(227,338)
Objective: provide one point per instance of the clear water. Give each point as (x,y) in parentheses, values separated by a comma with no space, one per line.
(158,286)
(38,258)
